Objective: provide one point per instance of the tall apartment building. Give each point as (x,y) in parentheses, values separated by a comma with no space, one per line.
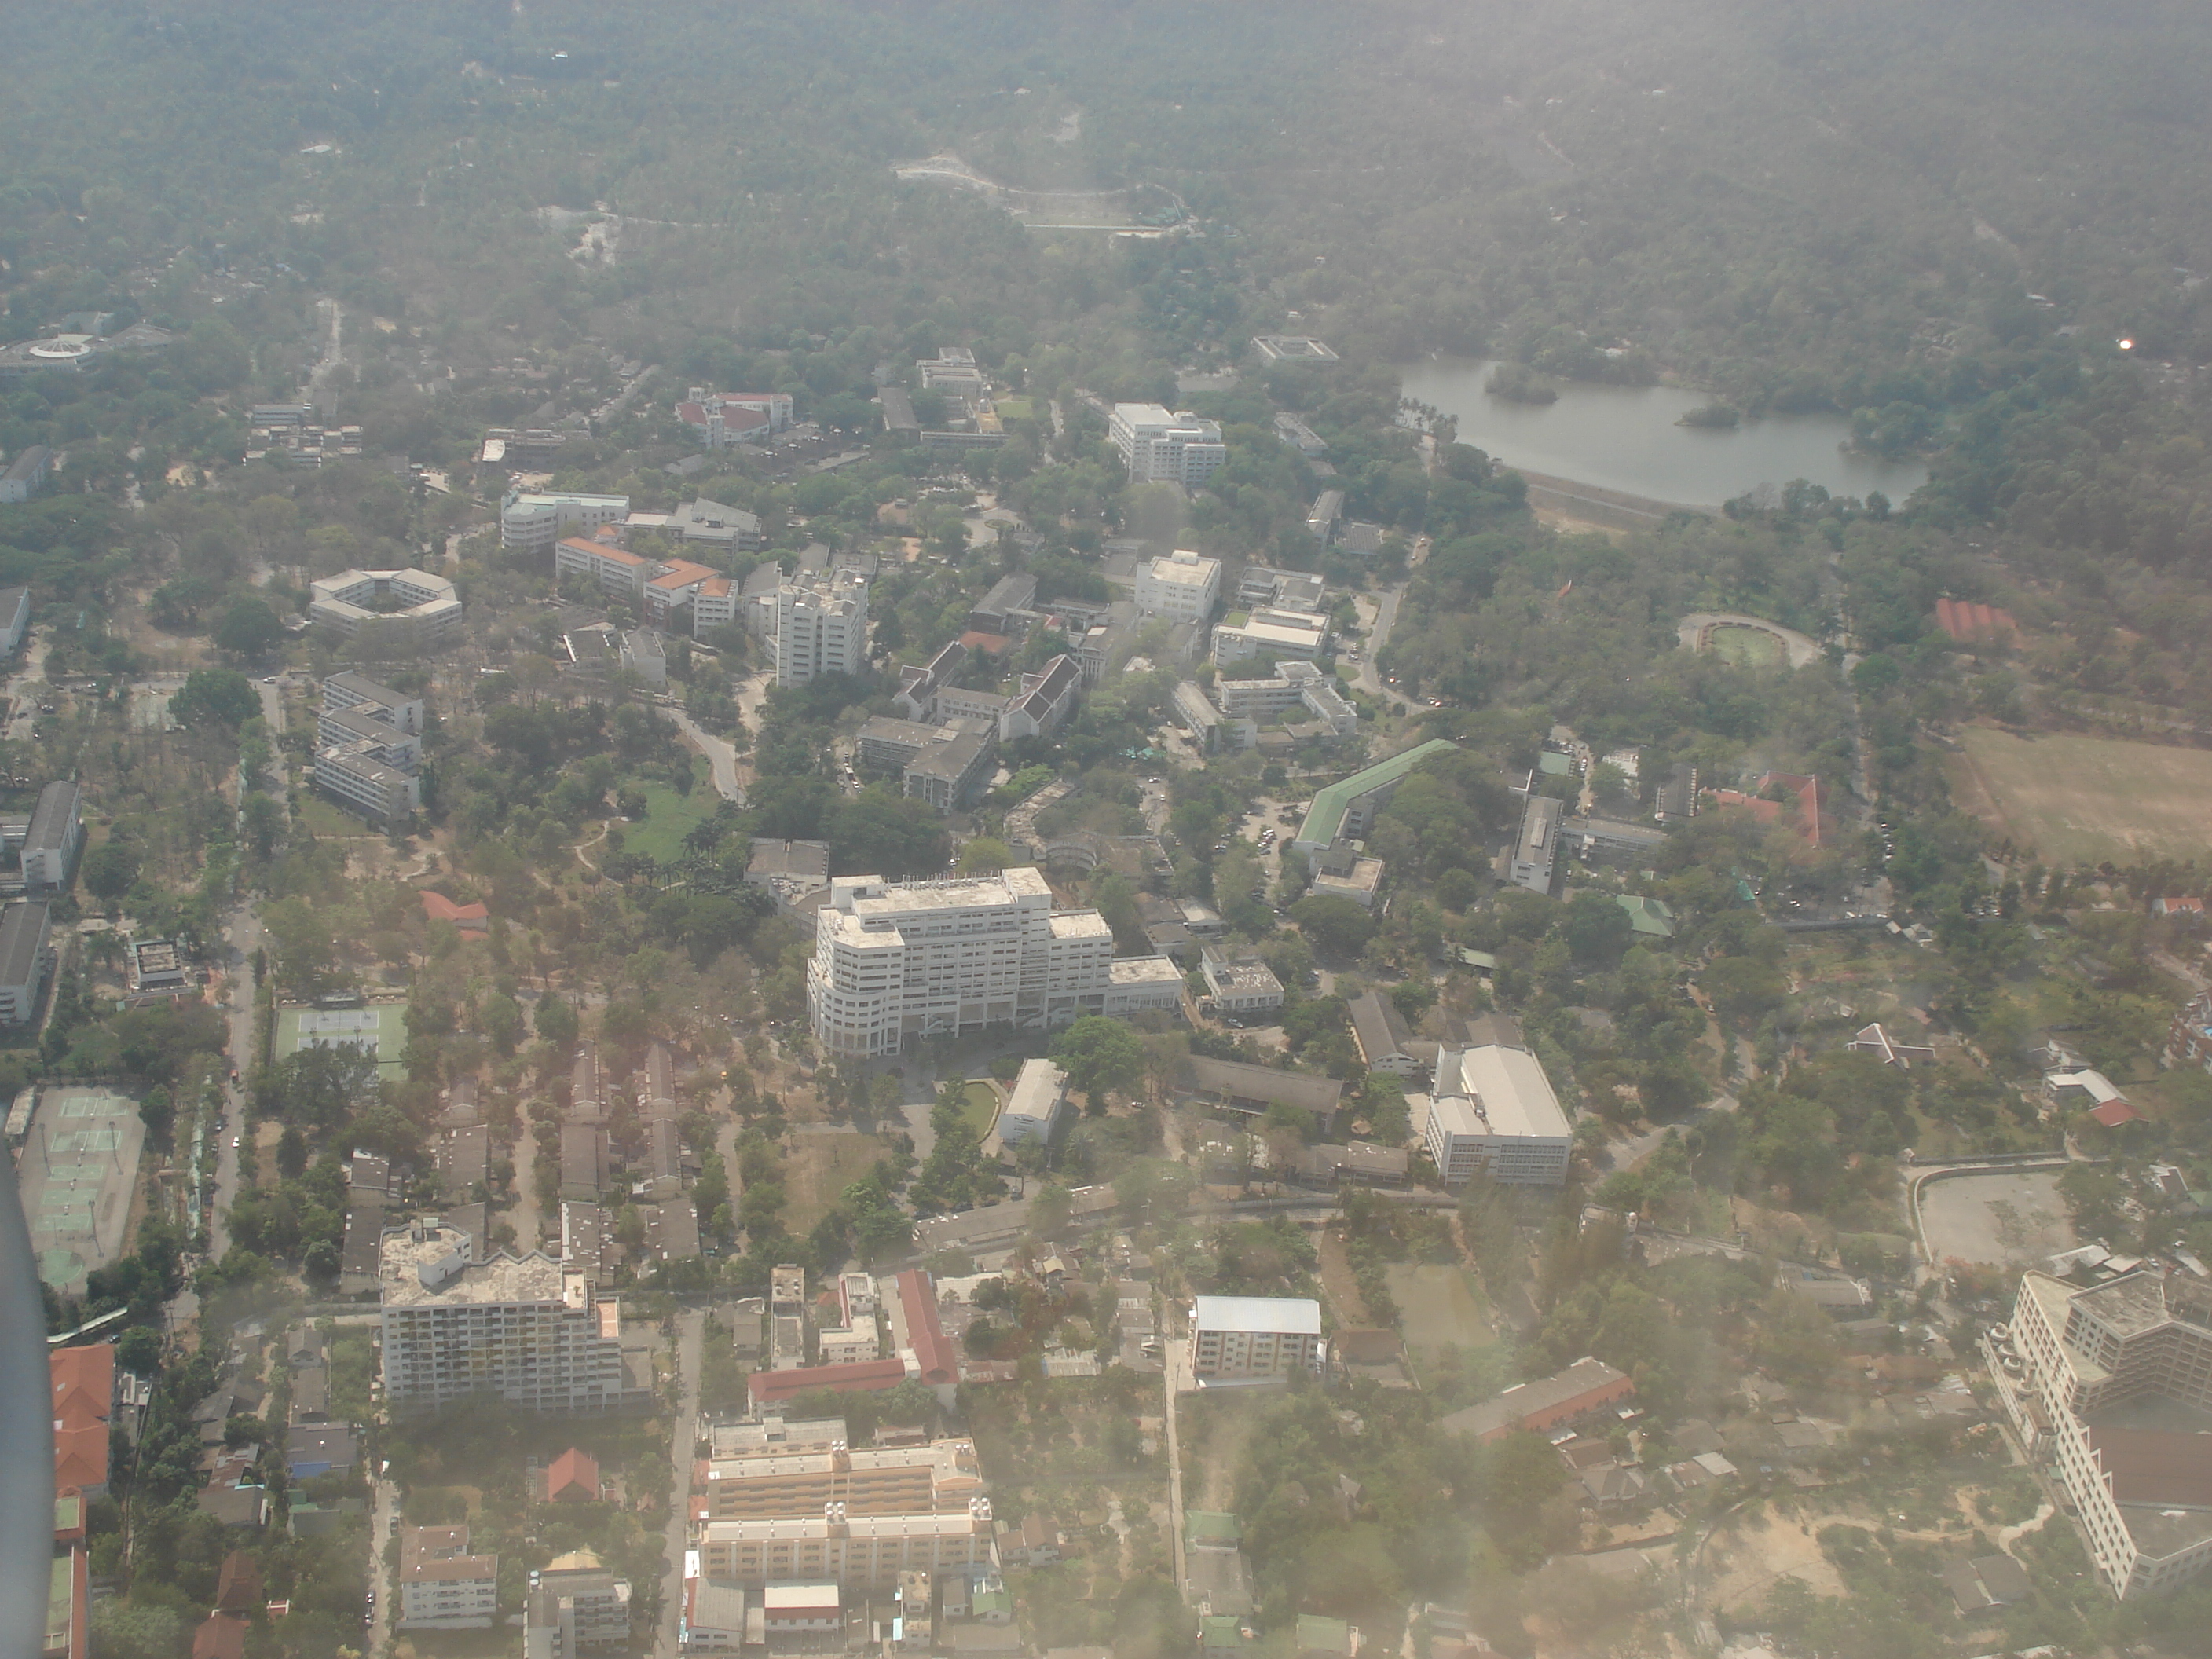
(895,960)
(441,1585)
(363,695)
(1165,446)
(1182,586)
(1492,1111)
(1249,1338)
(369,747)
(532,520)
(518,1327)
(25,959)
(2114,1384)
(55,838)
(820,629)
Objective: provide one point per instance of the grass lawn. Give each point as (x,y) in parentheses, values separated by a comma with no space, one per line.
(1438,1306)
(980,1106)
(329,822)
(670,817)
(1749,647)
(2082,799)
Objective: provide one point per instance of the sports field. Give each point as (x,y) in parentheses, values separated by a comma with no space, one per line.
(2080,800)
(1438,1307)
(381,1026)
(77,1168)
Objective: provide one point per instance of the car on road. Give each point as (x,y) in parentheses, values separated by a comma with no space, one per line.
(234,1140)
(269,679)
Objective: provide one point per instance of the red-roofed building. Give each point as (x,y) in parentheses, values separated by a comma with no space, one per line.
(1971,622)
(574,1478)
(678,585)
(862,1376)
(2180,905)
(83,1399)
(222,1637)
(469,918)
(991,645)
(2115,1112)
(1801,813)
(239,1589)
(615,569)
(720,418)
(937,1363)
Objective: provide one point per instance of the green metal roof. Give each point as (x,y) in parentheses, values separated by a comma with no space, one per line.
(1212,1527)
(1649,916)
(1327,813)
(1317,1635)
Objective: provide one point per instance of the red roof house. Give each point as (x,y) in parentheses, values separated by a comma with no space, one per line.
(1971,622)
(469,918)
(222,1637)
(572,1479)
(861,1376)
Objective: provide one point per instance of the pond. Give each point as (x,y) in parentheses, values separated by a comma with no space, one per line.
(1624,438)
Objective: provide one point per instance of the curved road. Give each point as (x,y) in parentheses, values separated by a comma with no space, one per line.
(720,755)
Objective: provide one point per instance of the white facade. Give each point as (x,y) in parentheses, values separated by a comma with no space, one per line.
(940,958)
(2144,1495)
(1164,447)
(1247,1338)
(345,604)
(859,1551)
(441,1585)
(1241,987)
(1034,1105)
(520,1328)
(1183,587)
(820,630)
(615,569)
(1296,636)
(1493,1111)
(24,957)
(530,519)
(1142,985)
(353,774)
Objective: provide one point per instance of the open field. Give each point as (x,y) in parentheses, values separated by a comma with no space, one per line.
(2012,1218)
(670,817)
(979,1104)
(1748,648)
(819,1167)
(2081,799)
(1438,1306)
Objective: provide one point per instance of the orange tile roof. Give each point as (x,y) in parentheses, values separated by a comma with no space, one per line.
(601,549)
(85,1373)
(81,1457)
(575,1474)
(438,908)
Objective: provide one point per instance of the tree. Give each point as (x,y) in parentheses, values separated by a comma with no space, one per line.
(1098,1053)
(249,630)
(1596,929)
(1336,927)
(109,869)
(555,1019)
(139,1351)
(215,696)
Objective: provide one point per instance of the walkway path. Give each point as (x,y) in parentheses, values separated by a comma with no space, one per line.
(1171,1376)
(690,1334)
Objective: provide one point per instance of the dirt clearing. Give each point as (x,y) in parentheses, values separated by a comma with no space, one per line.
(2081,799)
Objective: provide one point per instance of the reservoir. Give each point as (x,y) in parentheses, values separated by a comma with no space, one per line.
(1625,438)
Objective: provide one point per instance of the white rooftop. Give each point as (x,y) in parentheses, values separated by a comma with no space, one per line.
(1036,1091)
(1499,1091)
(1275,1314)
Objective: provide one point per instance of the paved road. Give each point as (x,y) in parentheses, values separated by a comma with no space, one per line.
(272,706)
(718,753)
(1386,616)
(245,937)
(690,1332)
(528,1227)
(1177,1356)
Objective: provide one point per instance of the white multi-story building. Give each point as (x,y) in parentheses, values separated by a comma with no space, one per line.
(820,630)
(855,1550)
(441,1585)
(1165,446)
(929,959)
(369,747)
(364,695)
(54,839)
(1492,1111)
(429,607)
(530,519)
(1240,988)
(25,958)
(1278,636)
(1034,1105)
(2112,1382)
(353,774)
(1250,1337)
(518,1328)
(615,569)
(1182,586)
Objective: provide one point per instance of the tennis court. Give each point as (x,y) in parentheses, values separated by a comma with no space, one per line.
(381,1027)
(78,1167)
